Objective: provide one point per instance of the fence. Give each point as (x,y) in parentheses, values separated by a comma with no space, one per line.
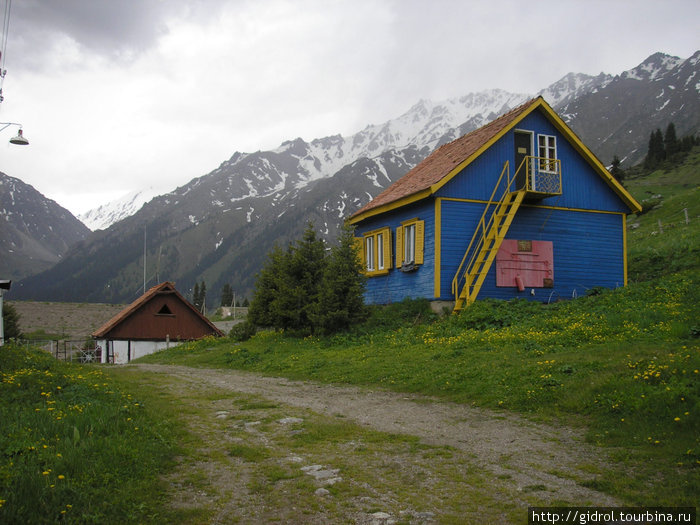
(81,351)
(679,218)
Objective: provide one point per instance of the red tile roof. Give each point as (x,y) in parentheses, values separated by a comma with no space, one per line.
(443,160)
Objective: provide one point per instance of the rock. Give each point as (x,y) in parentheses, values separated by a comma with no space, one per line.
(311,468)
(321,492)
(290,420)
(324,475)
(382,518)
(221,414)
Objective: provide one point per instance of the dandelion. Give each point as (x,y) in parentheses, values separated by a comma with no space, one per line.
(676,419)
(61,476)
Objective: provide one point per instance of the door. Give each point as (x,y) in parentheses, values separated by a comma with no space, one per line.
(523,148)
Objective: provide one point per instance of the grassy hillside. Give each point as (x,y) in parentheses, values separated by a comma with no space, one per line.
(624,363)
(666,195)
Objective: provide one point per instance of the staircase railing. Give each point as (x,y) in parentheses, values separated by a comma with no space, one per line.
(538,177)
(483,226)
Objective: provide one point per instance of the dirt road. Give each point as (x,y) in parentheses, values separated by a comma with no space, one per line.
(527,462)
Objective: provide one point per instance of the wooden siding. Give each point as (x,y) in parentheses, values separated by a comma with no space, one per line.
(146,324)
(397,285)
(588,248)
(582,187)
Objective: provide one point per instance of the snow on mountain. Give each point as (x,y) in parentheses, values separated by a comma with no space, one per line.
(35,231)
(657,65)
(104,216)
(572,86)
(424,125)
(296,163)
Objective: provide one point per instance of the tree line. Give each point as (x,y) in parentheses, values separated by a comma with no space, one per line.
(666,146)
(664,149)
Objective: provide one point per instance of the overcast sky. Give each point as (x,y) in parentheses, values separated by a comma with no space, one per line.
(119,95)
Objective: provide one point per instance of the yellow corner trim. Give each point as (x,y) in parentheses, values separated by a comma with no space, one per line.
(438,246)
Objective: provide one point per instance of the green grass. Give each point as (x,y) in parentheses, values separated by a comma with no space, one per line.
(622,362)
(654,252)
(76,447)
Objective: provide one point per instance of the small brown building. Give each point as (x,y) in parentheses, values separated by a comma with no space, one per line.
(159,318)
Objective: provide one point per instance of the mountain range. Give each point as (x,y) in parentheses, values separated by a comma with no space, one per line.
(218,228)
(34,231)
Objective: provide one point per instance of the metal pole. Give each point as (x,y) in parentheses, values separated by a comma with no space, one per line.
(144,259)
(2,321)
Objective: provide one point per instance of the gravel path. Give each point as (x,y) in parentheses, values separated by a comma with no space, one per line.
(519,451)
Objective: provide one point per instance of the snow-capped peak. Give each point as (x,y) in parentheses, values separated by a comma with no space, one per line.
(104,216)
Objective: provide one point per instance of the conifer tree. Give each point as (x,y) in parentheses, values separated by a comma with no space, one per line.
(341,298)
(616,171)
(306,289)
(196,300)
(656,152)
(267,289)
(10,318)
(670,140)
(297,300)
(227,295)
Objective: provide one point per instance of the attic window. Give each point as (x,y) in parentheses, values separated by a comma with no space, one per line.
(547,151)
(164,310)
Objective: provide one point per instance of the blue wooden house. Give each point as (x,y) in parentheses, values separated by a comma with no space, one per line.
(517,208)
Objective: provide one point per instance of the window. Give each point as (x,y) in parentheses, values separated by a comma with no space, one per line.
(369,253)
(547,152)
(409,244)
(376,255)
(380,251)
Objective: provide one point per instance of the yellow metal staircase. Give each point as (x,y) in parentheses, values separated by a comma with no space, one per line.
(486,241)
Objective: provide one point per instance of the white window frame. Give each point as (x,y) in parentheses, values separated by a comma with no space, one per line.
(369,253)
(409,243)
(380,251)
(547,153)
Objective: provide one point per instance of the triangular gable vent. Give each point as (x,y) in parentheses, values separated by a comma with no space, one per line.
(164,310)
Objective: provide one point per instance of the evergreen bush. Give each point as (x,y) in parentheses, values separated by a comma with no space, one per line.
(308,289)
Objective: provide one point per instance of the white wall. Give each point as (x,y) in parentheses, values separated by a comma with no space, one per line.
(138,349)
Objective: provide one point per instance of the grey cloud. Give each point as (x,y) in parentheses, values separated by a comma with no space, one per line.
(117,29)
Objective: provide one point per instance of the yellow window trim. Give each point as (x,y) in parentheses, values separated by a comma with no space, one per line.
(386,261)
(419,242)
